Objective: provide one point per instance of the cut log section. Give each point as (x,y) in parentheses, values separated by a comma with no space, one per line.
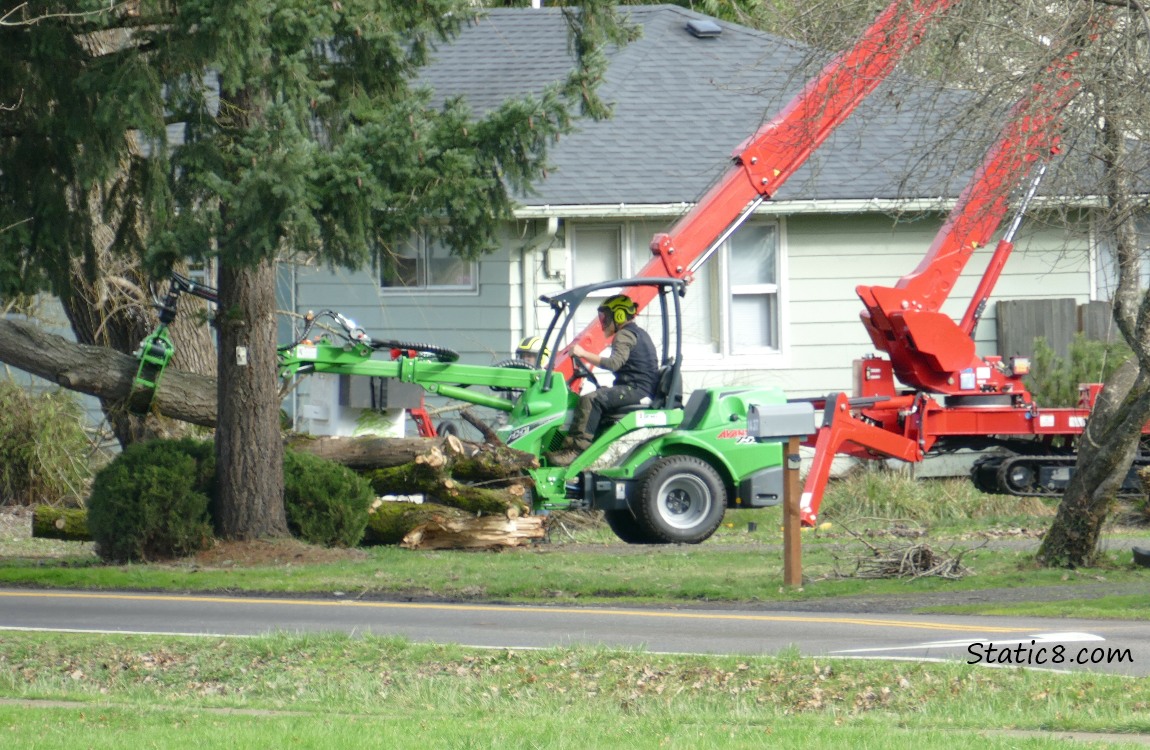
(69,524)
(389,521)
(482,533)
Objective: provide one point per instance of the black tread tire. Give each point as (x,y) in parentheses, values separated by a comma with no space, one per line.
(514,364)
(628,528)
(677,479)
(984,474)
(442,353)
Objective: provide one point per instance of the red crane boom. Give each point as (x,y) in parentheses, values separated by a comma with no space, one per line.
(766,160)
(983,400)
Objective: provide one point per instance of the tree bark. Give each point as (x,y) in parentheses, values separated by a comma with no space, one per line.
(1105,452)
(249,451)
(102,372)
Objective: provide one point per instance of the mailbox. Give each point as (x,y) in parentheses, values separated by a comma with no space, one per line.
(778,422)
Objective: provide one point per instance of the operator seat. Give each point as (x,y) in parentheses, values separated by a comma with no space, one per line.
(668,395)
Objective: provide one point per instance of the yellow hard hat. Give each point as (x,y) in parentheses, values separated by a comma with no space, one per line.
(533,345)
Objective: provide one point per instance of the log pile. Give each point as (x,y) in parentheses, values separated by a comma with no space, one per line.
(480,499)
(479,478)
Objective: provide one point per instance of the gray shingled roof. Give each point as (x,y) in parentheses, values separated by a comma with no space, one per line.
(681,105)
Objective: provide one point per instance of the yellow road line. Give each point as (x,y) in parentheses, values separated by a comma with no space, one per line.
(687,615)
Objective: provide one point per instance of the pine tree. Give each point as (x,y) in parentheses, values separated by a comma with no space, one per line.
(300,133)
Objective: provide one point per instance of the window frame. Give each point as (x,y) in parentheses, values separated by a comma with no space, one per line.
(423,246)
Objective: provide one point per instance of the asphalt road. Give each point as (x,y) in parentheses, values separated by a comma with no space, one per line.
(1090,645)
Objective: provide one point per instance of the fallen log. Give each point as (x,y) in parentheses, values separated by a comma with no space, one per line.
(389,521)
(436,484)
(69,524)
(103,372)
(367,452)
(480,479)
(482,533)
(475,460)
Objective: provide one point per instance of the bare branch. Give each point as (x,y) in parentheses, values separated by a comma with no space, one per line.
(130,7)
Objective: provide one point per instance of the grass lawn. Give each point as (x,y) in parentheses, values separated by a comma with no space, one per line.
(330,691)
(73,691)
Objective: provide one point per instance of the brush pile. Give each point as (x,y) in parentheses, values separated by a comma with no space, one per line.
(911,561)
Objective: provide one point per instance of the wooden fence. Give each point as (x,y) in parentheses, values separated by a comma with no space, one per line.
(1056,320)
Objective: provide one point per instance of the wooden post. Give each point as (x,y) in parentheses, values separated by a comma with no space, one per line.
(792,526)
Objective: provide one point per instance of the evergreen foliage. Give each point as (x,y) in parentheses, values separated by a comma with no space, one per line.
(326,503)
(153,501)
(1054,381)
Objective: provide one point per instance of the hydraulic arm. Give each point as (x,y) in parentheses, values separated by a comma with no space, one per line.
(766,160)
(156,349)
(927,348)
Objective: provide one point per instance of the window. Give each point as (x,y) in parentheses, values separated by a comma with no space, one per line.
(600,256)
(421,263)
(733,306)
(754,289)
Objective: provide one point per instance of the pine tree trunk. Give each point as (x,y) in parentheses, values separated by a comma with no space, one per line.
(249,451)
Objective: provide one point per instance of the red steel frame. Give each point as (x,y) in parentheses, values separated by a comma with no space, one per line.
(930,353)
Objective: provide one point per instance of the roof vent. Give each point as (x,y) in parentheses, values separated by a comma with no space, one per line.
(704,28)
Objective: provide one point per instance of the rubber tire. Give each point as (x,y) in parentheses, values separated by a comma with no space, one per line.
(628,528)
(443,429)
(691,480)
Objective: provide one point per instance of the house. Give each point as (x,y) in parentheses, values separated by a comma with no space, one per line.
(776,305)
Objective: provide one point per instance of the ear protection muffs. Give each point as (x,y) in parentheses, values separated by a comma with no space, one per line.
(622,308)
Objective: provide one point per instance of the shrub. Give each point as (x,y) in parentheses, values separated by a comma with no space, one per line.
(44,448)
(152,501)
(326,503)
(1054,381)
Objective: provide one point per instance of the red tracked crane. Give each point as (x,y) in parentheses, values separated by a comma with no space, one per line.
(766,160)
(950,396)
